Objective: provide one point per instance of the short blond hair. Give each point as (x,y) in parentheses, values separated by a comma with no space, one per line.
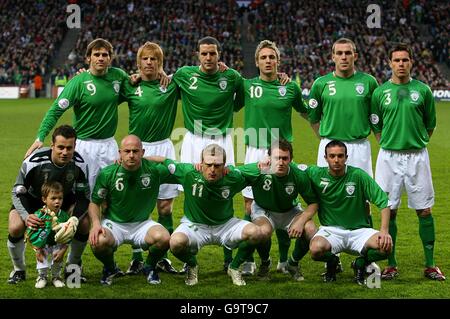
(267,44)
(152,48)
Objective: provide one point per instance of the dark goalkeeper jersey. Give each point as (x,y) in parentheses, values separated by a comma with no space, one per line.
(38,169)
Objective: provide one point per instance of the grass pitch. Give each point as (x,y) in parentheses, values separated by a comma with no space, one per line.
(19,121)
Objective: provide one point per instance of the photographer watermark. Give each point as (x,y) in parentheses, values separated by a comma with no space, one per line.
(73,21)
(74,279)
(374,19)
(374,278)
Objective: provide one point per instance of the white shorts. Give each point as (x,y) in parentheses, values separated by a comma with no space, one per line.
(162,148)
(193,145)
(129,233)
(48,260)
(277,220)
(97,154)
(228,234)
(358,151)
(344,240)
(410,170)
(253,155)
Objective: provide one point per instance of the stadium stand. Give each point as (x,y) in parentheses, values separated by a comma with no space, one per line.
(32,32)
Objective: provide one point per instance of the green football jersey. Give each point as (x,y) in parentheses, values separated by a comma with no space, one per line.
(45,235)
(268,110)
(403,113)
(342,105)
(94,100)
(342,200)
(279,194)
(130,195)
(204,202)
(152,109)
(208,98)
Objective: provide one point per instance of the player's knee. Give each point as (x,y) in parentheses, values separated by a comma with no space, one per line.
(316,248)
(16,226)
(252,233)
(160,239)
(178,242)
(104,243)
(424,212)
(164,206)
(310,229)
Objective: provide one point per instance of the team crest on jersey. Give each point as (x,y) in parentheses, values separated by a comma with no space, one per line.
(63,104)
(223,83)
(302,167)
(282,90)
(359,88)
(70,177)
(313,103)
(171,168)
(102,192)
(289,188)
(145,180)
(414,96)
(350,188)
(163,89)
(116,86)
(225,192)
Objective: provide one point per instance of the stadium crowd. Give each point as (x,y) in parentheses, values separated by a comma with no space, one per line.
(32,33)
(305,35)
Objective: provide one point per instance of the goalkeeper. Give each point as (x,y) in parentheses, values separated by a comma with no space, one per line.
(50,241)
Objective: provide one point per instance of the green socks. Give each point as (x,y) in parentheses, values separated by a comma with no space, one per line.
(427,235)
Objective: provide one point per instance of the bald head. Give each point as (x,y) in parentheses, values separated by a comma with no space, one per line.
(131,152)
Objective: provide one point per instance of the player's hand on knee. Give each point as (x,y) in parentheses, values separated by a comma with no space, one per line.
(37,144)
(94,234)
(384,241)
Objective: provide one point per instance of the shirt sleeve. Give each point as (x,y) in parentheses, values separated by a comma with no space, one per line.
(299,103)
(429,116)
(376,116)
(250,172)
(101,189)
(373,191)
(67,99)
(305,187)
(176,172)
(315,103)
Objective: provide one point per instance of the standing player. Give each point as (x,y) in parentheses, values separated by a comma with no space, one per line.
(152,115)
(207,97)
(59,163)
(403,118)
(275,205)
(268,109)
(343,191)
(129,190)
(339,105)
(94,96)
